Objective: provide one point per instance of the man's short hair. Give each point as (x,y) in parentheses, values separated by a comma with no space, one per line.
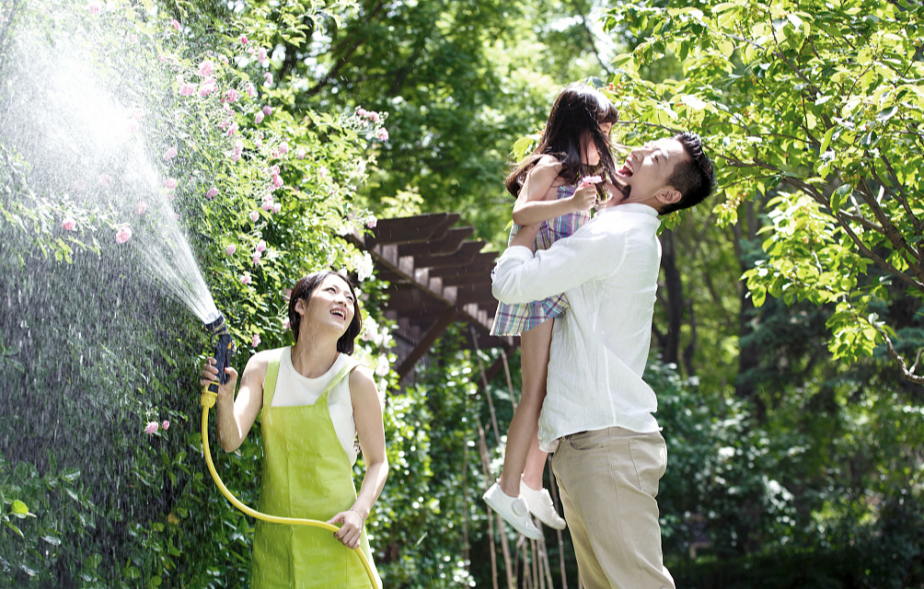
(694,177)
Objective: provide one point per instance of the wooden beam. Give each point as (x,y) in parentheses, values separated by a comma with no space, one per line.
(482,263)
(428,339)
(463,257)
(405,229)
(450,243)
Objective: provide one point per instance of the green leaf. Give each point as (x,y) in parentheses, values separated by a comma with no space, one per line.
(826,141)
(886,114)
(20,509)
(52,539)
(842,192)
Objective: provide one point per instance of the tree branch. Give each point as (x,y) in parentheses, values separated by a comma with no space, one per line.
(894,236)
(908,373)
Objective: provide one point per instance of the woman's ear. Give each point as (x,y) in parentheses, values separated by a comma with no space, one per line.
(301,306)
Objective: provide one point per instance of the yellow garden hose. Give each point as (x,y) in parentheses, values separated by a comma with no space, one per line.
(208,401)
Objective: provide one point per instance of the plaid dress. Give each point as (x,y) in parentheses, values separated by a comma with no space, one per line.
(514,319)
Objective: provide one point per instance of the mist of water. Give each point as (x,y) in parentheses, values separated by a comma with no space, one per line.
(93,150)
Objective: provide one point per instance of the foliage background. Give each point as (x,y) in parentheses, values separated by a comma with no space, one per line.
(793,433)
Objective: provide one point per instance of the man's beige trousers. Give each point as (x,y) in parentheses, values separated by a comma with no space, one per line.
(609,480)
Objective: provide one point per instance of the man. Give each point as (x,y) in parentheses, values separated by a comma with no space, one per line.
(597,415)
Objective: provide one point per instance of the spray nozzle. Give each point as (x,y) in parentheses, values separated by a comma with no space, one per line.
(224,344)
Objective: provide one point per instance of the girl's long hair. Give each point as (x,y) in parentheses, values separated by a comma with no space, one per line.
(576,117)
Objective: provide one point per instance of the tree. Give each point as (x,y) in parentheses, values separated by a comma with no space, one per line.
(816,107)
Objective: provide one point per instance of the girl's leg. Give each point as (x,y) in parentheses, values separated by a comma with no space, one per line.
(524,427)
(535,466)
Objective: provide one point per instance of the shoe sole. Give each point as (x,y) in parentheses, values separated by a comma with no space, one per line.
(515,525)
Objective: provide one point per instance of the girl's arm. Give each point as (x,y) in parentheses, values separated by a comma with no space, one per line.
(367,413)
(236,416)
(532,207)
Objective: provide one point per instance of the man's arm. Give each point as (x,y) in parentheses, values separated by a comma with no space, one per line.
(521,277)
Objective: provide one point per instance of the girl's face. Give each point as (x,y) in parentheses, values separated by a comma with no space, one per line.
(591,156)
(331,306)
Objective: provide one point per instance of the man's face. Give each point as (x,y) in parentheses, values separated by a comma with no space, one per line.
(648,168)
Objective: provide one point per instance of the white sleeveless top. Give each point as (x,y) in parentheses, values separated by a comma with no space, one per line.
(293,389)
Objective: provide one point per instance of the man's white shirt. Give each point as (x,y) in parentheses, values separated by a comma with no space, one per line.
(608,269)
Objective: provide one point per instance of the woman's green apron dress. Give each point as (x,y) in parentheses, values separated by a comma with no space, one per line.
(306,474)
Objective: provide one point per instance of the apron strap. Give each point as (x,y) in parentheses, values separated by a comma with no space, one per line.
(272,373)
(344,372)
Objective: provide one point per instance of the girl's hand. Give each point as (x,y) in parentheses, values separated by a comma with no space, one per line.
(351,530)
(210,374)
(584,198)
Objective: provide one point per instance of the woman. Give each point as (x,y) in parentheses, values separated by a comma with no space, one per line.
(314,400)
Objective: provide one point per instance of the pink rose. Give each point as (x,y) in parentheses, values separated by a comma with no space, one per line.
(123,235)
(212,193)
(267,79)
(243,39)
(267,110)
(258,142)
(165,425)
(231,95)
(232,129)
(256,340)
(261,55)
(69,224)
(286,324)
(245,279)
(361,111)
(208,86)
(223,59)
(254,216)
(371,223)
(275,154)
(251,90)
(141,207)
(94,7)
(374,117)
(230,249)
(277,207)
(175,24)
(267,205)
(105,179)
(277,181)
(284,147)
(170,183)
(256,259)
(588,180)
(206,68)
(381,134)
(187,89)
(261,247)
(300,154)
(235,155)
(274,169)
(151,428)
(258,118)
(170,154)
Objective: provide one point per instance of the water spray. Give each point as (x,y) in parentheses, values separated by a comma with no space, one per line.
(224,349)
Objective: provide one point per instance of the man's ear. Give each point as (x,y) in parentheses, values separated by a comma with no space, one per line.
(668,195)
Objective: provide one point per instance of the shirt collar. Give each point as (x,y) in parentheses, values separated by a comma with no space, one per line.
(630,207)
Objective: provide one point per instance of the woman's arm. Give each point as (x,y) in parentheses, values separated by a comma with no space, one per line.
(532,207)
(367,413)
(236,416)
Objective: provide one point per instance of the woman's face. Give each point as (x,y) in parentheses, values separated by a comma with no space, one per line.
(331,305)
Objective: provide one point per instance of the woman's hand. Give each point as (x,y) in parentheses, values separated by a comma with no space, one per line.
(210,374)
(351,530)
(584,198)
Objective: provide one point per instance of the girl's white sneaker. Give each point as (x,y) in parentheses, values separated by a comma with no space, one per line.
(540,504)
(514,510)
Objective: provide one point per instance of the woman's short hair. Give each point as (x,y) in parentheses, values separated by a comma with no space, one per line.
(303,290)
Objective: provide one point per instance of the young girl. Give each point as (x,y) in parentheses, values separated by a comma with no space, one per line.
(556,185)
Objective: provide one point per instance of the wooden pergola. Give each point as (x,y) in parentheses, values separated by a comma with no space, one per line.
(437,276)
